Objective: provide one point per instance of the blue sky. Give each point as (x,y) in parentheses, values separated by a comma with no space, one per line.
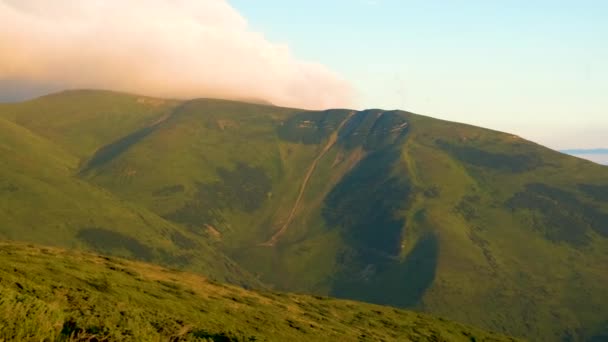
(535,68)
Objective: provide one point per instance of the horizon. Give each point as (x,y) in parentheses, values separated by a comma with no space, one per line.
(597,154)
(491,65)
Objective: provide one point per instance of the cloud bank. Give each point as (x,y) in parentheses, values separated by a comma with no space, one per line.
(165,48)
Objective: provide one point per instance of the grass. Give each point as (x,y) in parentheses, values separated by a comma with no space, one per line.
(57,295)
(475,225)
(83,121)
(42,201)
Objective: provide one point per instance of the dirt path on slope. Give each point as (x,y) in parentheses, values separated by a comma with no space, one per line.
(311,169)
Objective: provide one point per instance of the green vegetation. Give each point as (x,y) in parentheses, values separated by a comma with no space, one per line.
(492,160)
(55,295)
(244,189)
(475,225)
(563,217)
(42,200)
(83,121)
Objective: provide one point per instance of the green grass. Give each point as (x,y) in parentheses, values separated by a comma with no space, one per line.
(495,249)
(42,201)
(83,121)
(475,225)
(57,295)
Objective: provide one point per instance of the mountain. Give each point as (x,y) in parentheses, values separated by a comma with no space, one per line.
(53,294)
(42,201)
(387,207)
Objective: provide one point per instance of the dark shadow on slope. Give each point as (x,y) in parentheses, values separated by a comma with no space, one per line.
(183,242)
(563,218)
(376,279)
(597,192)
(374,129)
(245,188)
(105,241)
(515,163)
(364,203)
(169,190)
(600,335)
(364,207)
(417,272)
(115,149)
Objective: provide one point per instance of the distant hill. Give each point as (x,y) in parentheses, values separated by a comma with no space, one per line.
(598,155)
(586,151)
(56,295)
(387,207)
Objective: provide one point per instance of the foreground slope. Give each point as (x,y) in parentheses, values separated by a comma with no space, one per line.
(53,294)
(382,206)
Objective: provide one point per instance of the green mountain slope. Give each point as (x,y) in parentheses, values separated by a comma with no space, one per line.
(51,294)
(41,201)
(82,121)
(387,207)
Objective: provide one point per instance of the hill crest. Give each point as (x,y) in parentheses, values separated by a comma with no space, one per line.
(387,207)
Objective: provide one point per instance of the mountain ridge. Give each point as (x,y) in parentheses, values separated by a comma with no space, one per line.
(401,209)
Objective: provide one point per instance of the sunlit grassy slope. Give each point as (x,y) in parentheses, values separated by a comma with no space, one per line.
(82,121)
(476,225)
(54,295)
(42,201)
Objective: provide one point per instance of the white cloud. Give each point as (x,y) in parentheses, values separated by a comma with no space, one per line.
(167,48)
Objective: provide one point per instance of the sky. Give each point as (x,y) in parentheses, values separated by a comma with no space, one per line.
(599,158)
(164,48)
(538,69)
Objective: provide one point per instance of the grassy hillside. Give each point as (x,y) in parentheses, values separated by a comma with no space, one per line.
(55,295)
(42,201)
(82,121)
(518,229)
(386,207)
